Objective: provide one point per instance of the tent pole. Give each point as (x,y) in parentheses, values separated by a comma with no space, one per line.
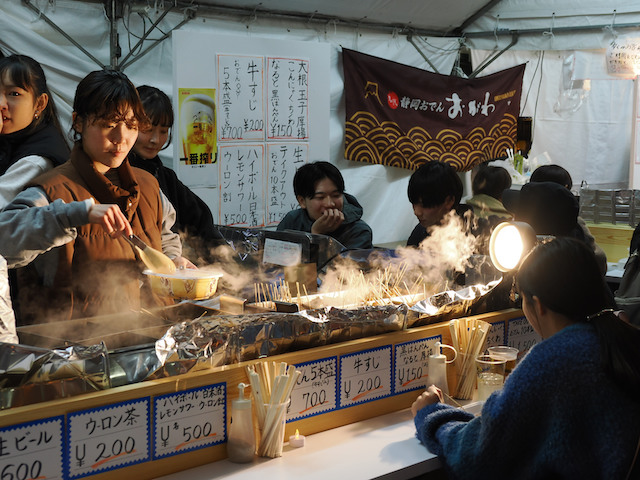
(146,34)
(410,40)
(157,42)
(556,30)
(514,40)
(41,14)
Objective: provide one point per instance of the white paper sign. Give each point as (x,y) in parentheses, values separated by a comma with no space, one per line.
(283,159)
(279,252)
(496,334)
(365,376)
(240,87)
(521,335)
(242,185)
(189,420)
(288,98)
(412,364)
(108,437)
(623,56)
(32,450)
(316,389)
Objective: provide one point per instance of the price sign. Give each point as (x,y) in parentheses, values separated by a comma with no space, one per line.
(412,364)
(32,450)
(189,420)
(495,335)
(521,335)
(108,437)
(365,376)
(316,390)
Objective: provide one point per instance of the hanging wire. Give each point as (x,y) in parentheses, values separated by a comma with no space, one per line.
(535,108)
(549,33)
(533,77)
(611,28)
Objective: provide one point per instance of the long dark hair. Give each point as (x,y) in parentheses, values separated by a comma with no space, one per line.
(26,73)
(158,108)
(106,94)
(564,274)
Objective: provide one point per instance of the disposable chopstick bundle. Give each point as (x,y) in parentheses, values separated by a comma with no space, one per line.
(468,337)
(271,386)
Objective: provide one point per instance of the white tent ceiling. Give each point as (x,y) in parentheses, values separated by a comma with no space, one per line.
(436,16)
(593,142)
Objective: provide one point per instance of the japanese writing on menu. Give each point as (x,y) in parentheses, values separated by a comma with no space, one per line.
(412,364)
(242,185)
(282,161)
(108,437)
(32,450)
(240,83)
(189,420)
(288,98)
(365,376)
(316,390)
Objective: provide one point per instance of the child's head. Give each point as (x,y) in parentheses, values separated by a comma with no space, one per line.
(491,181)
(159,110)
(25,99)
(107,113)
(318,186)
(552,173)
(434,189)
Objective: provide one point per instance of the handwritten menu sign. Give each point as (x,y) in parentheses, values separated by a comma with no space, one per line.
(32,450)
(412,364)
(240,83)
(108,437)
(623,56)
(365,376)
(288,98)
(283,159)
(189,420)
(316,389)
(496,334)
(241,185)
(521,335)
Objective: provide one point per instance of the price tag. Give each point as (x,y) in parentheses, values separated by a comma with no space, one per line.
(32,450)
(189,420)
(521,335)
(412,364)
(495,335)
(365,376)
(108,437)
(316,390)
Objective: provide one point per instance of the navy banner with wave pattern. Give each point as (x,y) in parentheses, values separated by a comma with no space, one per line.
(403,116)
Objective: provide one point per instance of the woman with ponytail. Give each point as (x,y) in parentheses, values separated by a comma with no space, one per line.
(571,408)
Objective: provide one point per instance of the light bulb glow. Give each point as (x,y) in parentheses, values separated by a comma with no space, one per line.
(508,247)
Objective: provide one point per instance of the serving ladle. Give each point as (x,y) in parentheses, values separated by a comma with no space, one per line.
(154,260)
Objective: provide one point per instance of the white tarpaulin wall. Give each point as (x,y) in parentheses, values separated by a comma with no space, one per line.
(589,136)
(592,142)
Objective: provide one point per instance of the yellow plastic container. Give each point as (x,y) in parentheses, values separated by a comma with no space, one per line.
(185,284)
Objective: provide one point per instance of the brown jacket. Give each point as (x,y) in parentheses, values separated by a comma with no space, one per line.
(96,273)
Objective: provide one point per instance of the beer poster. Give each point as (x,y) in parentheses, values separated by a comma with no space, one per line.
(197,125)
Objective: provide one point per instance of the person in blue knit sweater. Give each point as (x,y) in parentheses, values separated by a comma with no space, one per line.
(571,408)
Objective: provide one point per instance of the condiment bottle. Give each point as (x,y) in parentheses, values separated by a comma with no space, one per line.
(241,444)
(438,367)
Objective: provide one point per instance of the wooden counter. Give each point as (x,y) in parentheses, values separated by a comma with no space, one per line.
(100,411)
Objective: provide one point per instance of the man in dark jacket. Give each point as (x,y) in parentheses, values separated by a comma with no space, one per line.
(325,208)
(434,190)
